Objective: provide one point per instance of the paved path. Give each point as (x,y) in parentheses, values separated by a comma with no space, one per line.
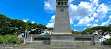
(34,46)
(58,45)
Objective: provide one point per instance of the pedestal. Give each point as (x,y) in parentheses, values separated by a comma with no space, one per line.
(62,37)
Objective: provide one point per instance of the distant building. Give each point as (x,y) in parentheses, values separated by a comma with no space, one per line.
(35,31)
(110,34)
(95,33)
(47,32)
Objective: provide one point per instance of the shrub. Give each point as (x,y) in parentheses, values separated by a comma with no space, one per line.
(107,42)
(8,39)
(1,39)
(76,32)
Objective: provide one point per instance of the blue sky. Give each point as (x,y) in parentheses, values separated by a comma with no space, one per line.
(83,13)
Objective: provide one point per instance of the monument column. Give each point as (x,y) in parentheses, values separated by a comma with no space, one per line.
(62,30)
(62,21)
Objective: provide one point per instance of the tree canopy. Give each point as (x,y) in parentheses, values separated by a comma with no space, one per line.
(93,29)
(11,26)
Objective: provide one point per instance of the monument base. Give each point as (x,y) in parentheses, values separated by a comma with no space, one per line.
(62,36)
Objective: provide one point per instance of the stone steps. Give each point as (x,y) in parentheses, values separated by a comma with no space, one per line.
(61,45)
(65,47)
(64,42)
(58,47)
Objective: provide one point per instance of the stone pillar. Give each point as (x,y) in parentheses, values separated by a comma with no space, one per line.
(62,21)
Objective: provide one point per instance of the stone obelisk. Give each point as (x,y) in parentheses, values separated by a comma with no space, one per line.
(62,21)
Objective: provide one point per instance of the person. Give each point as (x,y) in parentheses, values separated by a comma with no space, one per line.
(23,35)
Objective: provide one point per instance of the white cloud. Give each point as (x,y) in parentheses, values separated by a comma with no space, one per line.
(75,25)
(71,21)
(50,25)
(89,24)
(51,4)
(25,20)
(85,21)
(53,17)
(104,23)
(85,28)
(110,17)
(95,25)
(47,5)
(96,20)
(94,14)
(74,30)
(83,9)
(51,22)
(94,3)
(107,22)
(80,11)
(102,10)
(70,1)
(33,22)
(86,12)
(109,7)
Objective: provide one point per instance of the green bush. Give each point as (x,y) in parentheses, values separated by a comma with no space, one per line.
(9,39)
(107,42)
(1,39)
(76,32)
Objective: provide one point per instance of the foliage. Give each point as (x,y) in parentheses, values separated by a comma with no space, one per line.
(30,25)
(50,28)
(12,26)
(41,26)
(91,30)
(76,32)
(4,24)
(1,39)
(107,42)
(8,39)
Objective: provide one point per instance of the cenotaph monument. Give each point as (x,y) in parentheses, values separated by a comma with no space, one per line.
(62,28)
(62,21)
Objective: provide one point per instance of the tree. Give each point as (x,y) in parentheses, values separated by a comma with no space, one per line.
(93,29)
(50,28)
(107,42)
(88,30)
(30,25)
(41,26)
(11,26)
(4,24)
(76,32)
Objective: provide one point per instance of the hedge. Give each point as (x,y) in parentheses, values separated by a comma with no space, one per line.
(107,42)
(9,39)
